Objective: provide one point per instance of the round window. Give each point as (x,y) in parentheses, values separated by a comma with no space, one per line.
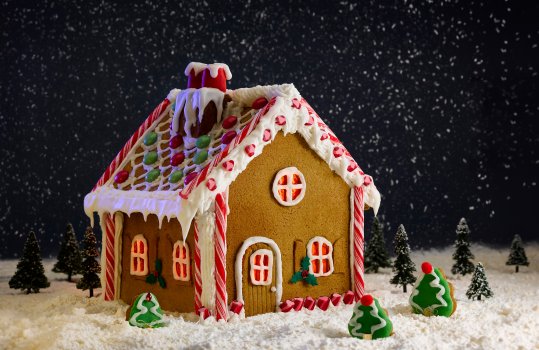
(289,186)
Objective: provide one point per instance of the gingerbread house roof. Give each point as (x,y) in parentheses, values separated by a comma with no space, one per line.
(158,172)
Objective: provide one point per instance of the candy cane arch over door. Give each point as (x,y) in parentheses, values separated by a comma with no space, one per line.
(357,237)
(221,211)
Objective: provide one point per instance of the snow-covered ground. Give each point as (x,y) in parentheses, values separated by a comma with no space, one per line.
(62,317)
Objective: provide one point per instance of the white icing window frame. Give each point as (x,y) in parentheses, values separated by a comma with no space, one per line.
(253,267)
(138,255)
(289,172)
(182,260)
(320,257)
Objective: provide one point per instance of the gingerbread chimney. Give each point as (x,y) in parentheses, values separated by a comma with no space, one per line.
(200,106)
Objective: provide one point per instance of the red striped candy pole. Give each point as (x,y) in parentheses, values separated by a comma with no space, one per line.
(110,258)
(198,279)
(131,142)
(359,284)
(221,303)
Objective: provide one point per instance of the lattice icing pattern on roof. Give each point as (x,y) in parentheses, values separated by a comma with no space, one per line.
(157,165)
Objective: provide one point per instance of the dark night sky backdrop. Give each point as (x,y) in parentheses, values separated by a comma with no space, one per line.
(438,100)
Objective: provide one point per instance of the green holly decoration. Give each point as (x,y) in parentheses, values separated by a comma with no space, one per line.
(156,275)
(303,273)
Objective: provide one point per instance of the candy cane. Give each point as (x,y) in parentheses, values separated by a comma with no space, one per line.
(117,161)
(247,129)
(359,284)
(109,252)
(221,303)
(198,279)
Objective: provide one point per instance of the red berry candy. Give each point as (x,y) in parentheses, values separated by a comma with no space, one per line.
(230,121)
(175,142)
(366,300)
(259,103)
(155,274)
(228,137)
(426,267)
(121,176)
(304,273)
(177,159)
(148,297)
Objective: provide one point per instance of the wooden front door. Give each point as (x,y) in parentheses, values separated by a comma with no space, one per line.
(259,279)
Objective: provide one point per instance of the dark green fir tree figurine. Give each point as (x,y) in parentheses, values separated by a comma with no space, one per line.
(90,266)
(517,256)
(376,255)
(69,257)
(479,285)
(462,254)
(403,266)
(30,274)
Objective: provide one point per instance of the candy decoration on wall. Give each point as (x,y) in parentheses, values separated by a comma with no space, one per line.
(433,294)
(303,273)
(369,320)
(155,276)
(146,312)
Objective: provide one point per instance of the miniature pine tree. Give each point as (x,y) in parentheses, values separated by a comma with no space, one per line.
(30,274)
(376,255)
(403,265)
(462,254)
(69,257)
(479,285)
(517,256)
(91,269)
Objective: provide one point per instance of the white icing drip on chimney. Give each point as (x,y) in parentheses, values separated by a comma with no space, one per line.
(197,66)
(214,70)
(189,100)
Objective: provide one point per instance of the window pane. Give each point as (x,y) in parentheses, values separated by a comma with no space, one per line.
(135,264)
(325,249)
(315,249)
(257,275)
(316,265)
(135,248)
(325,263)
(282,194)
(296,179)
(184,270)
(184,252)
(266,260)
(177,267)
(283,180)
(295,193)
(266,273)
(141,247)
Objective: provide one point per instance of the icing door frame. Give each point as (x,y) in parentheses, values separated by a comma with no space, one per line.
(277,261)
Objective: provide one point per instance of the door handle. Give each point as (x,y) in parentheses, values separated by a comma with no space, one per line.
(273,289)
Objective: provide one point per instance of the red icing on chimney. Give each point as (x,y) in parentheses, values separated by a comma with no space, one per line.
(215,76)
(194,71)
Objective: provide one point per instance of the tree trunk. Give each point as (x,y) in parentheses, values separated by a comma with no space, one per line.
(404,288)
(91,292)
(479,297)
(28,291)
(516,268)
(69,277)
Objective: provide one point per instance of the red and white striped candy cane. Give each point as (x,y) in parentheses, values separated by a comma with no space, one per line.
(109,254)
(198,279)
(359,284)
(247,129)
(131,142)
(221,302)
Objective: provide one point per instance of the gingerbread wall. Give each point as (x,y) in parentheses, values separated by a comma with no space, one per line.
(178,295)
(324,211)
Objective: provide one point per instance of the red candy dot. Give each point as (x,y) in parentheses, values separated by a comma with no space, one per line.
(175,142)
(211,184)
(121,176)
(228,137)
(228,165)
(367,180)
(230,121)
(267,135)
(250,150)
(280,120)
(426,267)
(367,300)
(177,159)
(337,152)
(259,103)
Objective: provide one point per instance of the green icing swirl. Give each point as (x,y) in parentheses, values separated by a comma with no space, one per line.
(363,322)
(150,138)
(150,158)
(424,299)
(152,175)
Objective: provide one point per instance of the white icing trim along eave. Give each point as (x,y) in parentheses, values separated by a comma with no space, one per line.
(238,268)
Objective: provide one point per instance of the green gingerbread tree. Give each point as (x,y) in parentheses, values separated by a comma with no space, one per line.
(369,320)
(479,285)
(376,255)
(462,254)
(91,269)
(403,266)
(69,257)
(432,294)
(30,274)
(146,312)
(517,256)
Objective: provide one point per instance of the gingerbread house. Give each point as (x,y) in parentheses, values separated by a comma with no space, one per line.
(217,199)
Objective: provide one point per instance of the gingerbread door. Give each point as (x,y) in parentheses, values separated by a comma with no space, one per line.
(260,277)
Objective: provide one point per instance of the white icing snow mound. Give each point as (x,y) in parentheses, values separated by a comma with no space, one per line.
(62,317)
